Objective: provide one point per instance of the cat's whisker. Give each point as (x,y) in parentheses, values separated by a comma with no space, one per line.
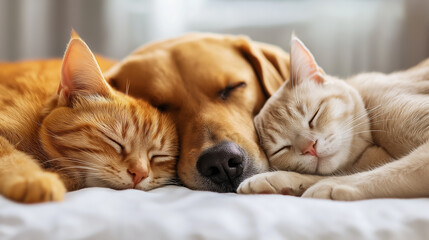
(67,159)
(363,115)
(96,157)
(354,134)
(75,161)
(78,167)
(352,129)
(168,181)
(96,169)
(364,123)
(104,162)
(356,119)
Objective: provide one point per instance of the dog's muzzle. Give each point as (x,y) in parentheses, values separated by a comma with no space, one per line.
(222,164)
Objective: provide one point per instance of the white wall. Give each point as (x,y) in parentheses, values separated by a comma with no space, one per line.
(346,36)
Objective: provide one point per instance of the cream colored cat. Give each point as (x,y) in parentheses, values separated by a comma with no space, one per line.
(371,132)
(83,131)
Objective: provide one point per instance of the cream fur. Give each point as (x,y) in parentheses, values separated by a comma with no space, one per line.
(384,154)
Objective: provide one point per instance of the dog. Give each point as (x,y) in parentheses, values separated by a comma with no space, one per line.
(212,86)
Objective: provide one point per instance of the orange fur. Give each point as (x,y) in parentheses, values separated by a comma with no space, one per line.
(84,136)
(186,76)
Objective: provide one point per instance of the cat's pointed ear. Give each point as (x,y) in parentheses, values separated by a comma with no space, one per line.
(303,65)
(80,73)
(74,34)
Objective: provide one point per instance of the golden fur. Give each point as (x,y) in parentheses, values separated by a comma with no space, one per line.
(212,86)
(373,124)
(84,132)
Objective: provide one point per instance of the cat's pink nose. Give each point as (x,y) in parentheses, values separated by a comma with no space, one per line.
(138,172)
(310,149)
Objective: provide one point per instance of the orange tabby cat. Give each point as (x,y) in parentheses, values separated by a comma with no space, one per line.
(86,133)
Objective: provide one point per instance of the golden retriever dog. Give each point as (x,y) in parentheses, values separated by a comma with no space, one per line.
(212,86)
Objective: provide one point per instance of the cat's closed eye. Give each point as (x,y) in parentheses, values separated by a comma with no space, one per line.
(286,147)
(311,122)
(160,157)
(116,145)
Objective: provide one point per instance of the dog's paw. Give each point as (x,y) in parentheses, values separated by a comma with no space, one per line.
(39,187)
(280,182)
(335,190)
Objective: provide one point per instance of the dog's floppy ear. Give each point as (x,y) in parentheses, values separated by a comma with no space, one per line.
(271,63)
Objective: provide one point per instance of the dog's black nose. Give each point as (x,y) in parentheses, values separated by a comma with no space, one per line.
(221,163)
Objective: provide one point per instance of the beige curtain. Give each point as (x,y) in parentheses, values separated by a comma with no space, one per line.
(41,28)
(416,32)
(346,36)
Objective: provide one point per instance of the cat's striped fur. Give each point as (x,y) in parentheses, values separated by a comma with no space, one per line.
(84,132)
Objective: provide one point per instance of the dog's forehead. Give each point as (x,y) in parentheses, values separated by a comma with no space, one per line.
(214,64)
(205,66)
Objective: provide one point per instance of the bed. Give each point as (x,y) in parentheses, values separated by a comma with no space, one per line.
(178,213)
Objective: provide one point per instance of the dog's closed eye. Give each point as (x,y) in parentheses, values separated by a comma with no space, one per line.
(162,107)
(224,93)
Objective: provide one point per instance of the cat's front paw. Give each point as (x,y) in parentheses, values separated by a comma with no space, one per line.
(280,182)
(333,189)
(39,187)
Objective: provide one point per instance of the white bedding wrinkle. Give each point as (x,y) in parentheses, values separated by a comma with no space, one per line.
(179,213)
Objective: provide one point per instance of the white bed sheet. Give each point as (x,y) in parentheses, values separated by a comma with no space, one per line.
(178,213)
